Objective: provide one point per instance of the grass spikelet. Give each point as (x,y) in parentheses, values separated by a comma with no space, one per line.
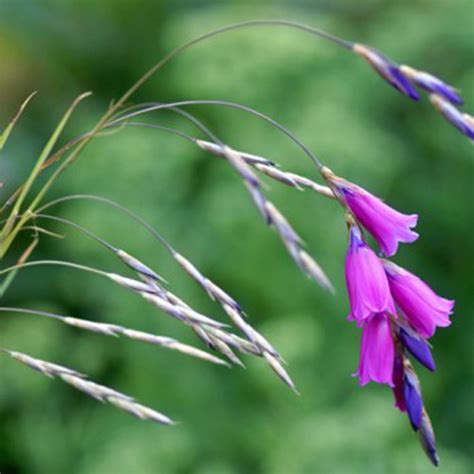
(293,243)
(183,314)
(247,157)
(94,390)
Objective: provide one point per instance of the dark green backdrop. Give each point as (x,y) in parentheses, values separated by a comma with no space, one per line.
(235,421)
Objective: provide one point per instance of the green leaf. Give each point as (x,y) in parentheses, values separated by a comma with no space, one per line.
(6,133)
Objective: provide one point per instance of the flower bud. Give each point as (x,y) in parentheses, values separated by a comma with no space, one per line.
(387,69)
(432,84)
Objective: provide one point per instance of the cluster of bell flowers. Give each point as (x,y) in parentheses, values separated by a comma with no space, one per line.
(396,310)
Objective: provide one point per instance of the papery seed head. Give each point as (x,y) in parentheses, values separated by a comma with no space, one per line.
(279,175)
(219,294)
(190,269)
(241,167)
(218,150)
(107,329)
(130,283)
(314,270)
(137,265)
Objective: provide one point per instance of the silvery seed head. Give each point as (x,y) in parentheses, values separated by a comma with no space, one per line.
(131,284)
(218,150)
(138,266)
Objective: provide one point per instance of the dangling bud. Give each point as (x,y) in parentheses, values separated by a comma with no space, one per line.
(387,69)
(427,438)
(417,346)
(453,116)
(412,397)
(432,84)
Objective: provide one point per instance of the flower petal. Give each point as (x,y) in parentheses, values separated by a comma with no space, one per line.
(377,352)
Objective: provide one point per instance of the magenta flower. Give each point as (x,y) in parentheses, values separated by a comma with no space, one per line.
(386,225)
(377,354)
(367,284)
(422,307)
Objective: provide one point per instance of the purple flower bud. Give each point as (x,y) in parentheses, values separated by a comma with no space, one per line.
(367,284)
(417,347)
(427,438)
(377,351)
(412,397)
(453,115)
(398,382)
(386,225)
(422,307)
(432,84)
(387,69)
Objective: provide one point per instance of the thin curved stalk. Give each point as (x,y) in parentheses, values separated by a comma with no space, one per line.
(173,105)
(306,28)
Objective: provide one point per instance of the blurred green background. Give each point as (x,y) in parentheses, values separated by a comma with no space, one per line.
(234,421)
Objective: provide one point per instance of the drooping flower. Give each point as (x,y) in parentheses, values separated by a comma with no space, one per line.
(367,284)
(461,121)
(377,351)
(421,306)
(385,224)
(387,69)
(431,84)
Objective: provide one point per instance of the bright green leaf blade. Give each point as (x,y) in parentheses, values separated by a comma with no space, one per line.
(6,133)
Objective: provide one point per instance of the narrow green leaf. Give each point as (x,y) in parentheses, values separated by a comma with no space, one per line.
(6,237)
(6,133)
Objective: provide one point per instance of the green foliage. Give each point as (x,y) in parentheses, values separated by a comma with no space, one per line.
(235,421)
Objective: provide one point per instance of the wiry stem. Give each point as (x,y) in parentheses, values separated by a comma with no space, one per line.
(38,198)
(116,205)
(173,105)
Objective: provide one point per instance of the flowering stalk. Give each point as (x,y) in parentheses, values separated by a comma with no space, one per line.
(395,310)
